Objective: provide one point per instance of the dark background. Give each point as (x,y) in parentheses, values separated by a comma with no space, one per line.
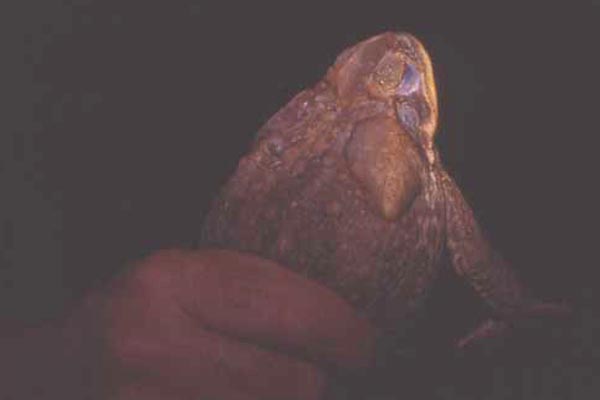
(119,120)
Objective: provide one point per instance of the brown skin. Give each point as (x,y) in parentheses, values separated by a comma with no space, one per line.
(345,185)
(191,325)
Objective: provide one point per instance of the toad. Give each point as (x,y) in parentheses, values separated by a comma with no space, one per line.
(346,187)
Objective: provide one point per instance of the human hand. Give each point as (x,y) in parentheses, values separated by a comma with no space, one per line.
(213,324)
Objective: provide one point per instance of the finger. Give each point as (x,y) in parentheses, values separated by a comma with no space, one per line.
(206,365)
(249,297)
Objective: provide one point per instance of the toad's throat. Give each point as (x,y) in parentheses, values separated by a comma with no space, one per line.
(386,162)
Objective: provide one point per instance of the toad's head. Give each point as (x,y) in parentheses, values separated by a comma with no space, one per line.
(393,67)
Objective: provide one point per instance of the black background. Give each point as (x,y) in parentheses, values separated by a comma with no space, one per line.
(119,120)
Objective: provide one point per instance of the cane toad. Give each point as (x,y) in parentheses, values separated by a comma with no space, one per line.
(345,186)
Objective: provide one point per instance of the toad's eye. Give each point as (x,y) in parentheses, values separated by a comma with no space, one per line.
(410,82)
(388,73)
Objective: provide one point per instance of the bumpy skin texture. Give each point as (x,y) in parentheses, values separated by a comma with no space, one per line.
(344,185)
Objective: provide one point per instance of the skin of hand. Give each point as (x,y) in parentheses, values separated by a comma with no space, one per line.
(198,324)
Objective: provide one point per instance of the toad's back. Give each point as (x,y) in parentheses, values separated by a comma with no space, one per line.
(342,184)
(319,225)
(295,199)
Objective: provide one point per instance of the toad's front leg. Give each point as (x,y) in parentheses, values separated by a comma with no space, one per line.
(474,259)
